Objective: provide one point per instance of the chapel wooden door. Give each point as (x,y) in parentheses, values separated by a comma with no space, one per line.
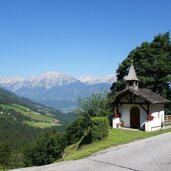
(135,117)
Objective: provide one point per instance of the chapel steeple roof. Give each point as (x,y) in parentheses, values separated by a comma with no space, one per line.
(132,80)
(132,76)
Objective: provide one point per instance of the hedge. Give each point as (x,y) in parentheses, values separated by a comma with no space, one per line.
(99,128)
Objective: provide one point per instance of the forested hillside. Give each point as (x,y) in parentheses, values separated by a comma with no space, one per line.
(22,122)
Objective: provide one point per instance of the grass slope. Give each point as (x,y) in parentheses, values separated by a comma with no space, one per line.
(24,104)
(31,118)
(116,137)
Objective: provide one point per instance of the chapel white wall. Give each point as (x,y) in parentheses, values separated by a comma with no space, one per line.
(125,112)
(157,111)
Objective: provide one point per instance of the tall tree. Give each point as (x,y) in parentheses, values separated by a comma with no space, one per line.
(152,62)
(95,106)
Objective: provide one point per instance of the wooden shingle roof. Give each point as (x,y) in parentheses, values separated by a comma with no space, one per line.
(145,94)
(132,76)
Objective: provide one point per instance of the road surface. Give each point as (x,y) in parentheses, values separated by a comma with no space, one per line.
(151,154)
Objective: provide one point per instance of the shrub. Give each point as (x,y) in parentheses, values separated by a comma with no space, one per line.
(99,128)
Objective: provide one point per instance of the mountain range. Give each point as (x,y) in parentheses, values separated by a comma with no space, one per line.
(57,90)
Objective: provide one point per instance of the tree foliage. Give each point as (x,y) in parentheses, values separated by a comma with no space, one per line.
(46,150)
(152,62)
(77,129)
(95,105)
(16,133)
(5,154)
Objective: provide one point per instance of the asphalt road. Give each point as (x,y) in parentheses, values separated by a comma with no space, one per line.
(151,154)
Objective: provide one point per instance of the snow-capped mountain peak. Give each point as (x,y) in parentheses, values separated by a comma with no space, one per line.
(94,80)
(51,79)
(11,80)
(46,80)
(56,89)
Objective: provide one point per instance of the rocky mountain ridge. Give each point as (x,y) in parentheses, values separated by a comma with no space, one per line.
(56,89)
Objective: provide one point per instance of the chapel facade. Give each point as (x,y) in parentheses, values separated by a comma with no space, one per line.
(138,108)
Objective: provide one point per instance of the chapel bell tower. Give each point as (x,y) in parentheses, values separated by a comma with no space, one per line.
(132,80)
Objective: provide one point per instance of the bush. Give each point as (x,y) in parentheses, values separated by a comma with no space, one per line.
(99,129)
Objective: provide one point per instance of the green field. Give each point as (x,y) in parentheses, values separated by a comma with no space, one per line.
(35,119)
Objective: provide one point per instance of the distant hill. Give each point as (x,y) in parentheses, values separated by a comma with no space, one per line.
(57,90)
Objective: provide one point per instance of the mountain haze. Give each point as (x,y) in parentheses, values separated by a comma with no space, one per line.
(56,89)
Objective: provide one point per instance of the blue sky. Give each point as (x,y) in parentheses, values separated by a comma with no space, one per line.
(76,37)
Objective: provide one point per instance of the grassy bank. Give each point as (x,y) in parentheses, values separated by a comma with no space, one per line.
(116,137)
